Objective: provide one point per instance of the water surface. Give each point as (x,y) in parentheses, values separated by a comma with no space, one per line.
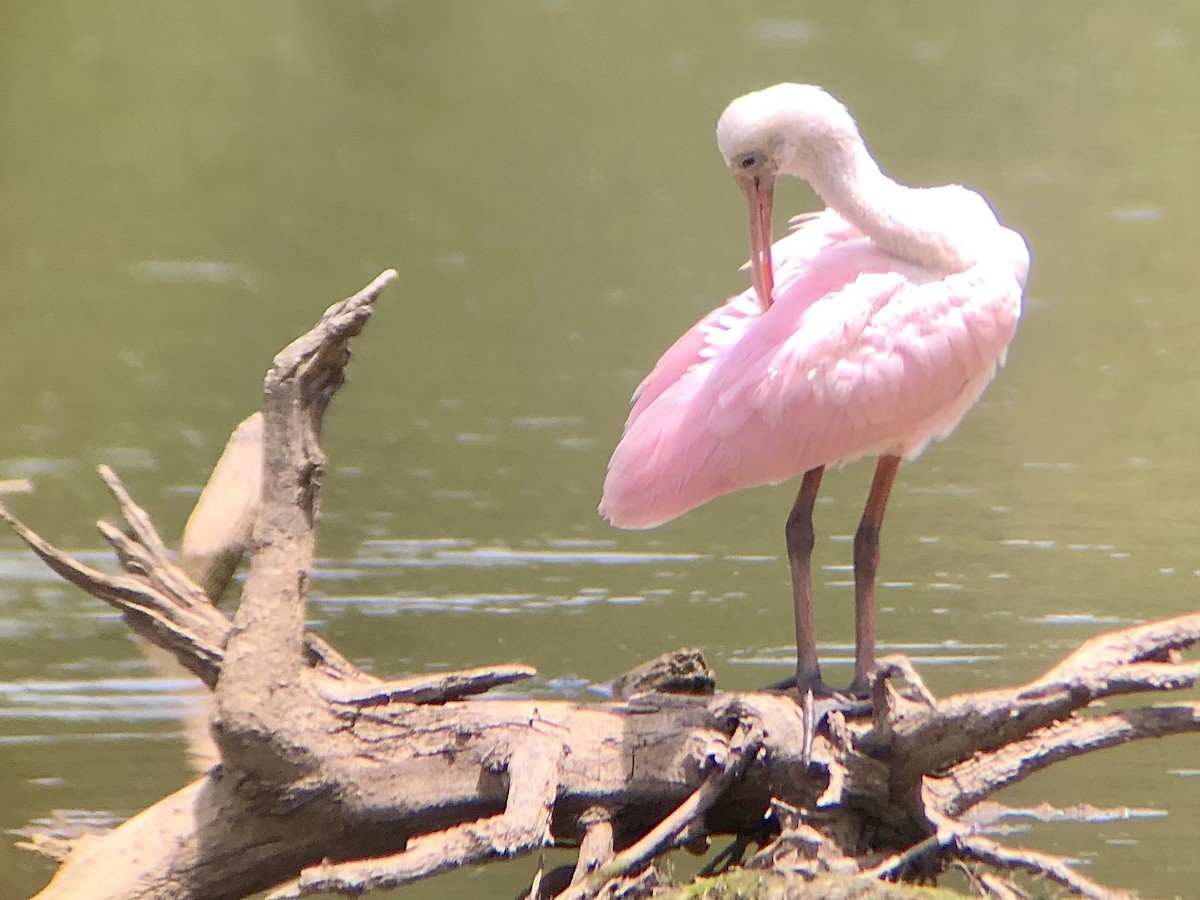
(184,188)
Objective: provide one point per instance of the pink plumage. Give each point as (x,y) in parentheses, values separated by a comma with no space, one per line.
(860,353)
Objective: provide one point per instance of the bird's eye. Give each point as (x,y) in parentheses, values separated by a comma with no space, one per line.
(749,161)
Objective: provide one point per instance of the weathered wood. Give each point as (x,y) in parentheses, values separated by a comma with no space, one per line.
(335,779)
(742,749)
(596,847)
(217,533)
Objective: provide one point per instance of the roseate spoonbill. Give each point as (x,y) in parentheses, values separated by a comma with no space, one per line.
(869,331)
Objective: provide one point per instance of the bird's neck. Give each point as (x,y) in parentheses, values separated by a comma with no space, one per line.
(890,214)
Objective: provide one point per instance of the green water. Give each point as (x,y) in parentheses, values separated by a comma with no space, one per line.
(184,187)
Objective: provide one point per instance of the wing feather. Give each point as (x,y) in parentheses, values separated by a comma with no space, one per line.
(859,354)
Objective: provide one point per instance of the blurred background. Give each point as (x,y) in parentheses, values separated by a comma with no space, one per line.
(184,188)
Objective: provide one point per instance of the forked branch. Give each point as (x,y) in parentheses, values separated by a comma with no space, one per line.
(332,778)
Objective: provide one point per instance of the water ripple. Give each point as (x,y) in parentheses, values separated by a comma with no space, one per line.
(98,700)
(944,653)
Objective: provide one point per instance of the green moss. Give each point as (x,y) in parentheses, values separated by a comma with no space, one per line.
(742,884)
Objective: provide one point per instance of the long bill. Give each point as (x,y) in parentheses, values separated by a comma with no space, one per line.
(759,191)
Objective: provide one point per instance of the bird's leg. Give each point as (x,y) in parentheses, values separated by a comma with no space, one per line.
(800,540)
(866,563)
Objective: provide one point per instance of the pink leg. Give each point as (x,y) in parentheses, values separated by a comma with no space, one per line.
(866,563)
(800,540)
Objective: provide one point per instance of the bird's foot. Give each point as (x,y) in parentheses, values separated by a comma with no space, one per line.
(855,700)
(860,687)
(802,684)
(868,672)
(817,700)
(813,684)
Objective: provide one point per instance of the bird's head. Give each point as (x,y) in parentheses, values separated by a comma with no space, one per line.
(789,129)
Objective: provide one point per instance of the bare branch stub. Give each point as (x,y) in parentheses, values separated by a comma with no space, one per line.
(218,531)
(743,748)
(1152,642)
(260,693)
(160,603)
(977,778)
(439,688)
(195,635)
(985,850)
(923,738)
(524,826)
(596,844)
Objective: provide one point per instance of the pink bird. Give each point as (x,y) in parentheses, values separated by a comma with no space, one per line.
(879,323)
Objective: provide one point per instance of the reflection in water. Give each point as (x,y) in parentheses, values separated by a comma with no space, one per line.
(113,699)
(179,194)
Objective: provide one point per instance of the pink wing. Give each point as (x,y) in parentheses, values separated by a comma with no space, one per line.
(859,354)
(796,252)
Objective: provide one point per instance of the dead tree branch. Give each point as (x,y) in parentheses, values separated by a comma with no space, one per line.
(218,531)
(334,779)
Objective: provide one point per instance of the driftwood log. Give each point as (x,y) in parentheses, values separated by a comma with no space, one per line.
(334,780)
